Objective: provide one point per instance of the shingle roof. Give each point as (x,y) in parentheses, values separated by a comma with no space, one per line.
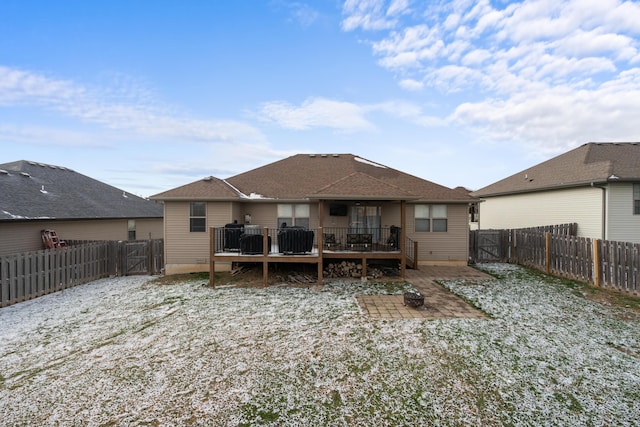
(30,190)
(315,176)
(589,163)
(209,188)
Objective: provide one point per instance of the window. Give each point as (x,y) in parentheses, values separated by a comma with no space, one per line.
(131,228)
(636,199)
(293,215)
(198,217)
(439,218)
(422,218)
(431,218)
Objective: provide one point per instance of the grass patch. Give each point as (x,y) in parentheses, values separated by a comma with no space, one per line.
(610,297)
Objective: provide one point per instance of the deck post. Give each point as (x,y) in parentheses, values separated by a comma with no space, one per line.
(212,262)
(403,240)
(320,254)
(265,256)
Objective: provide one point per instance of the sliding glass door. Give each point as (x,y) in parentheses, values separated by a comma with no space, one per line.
(365,220)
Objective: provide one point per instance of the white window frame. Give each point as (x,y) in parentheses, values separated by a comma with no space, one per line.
(431,218)
(294,214)
(196,217)
(422,218)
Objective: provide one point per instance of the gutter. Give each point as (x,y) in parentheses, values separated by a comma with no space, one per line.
(603,187)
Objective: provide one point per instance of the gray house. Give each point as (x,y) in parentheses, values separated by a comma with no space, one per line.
(36,196)
(596,185)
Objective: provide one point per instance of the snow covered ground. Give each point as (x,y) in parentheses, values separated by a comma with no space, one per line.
(127,352)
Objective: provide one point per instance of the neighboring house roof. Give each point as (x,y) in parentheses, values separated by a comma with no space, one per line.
(31,191)
(595,163)
(318,176)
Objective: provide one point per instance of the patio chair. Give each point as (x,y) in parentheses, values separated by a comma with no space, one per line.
(329,241)
(51,240)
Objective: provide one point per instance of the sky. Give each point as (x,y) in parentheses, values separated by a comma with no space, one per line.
(150,95)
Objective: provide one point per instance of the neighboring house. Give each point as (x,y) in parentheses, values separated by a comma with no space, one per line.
(596,185)
(345,195)
(474,212)
(36,196)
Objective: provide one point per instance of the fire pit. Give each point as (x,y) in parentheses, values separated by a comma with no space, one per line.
(413,299)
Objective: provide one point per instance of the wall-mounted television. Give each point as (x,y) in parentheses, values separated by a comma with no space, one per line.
(336,209)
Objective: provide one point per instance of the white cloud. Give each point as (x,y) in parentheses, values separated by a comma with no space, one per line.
(114,109)
(317,113)
(343,116)
(476,57)
(411,85)
(372,14)
(559,116)
(303,14)
(18,87)
(409,48)
(550,72)
(404,110)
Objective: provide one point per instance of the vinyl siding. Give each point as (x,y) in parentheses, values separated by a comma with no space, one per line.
(580,205)
(149,229)
(449,246)
(187,251)
(391,215)
(25,236)
(183,246)
(622,224)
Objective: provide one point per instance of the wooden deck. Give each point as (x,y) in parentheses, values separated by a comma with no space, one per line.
(270,255)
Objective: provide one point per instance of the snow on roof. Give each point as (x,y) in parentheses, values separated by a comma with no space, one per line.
(369,162)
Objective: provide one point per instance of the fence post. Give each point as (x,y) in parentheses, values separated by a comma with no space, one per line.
(597,271)
(547,245)
(150,256)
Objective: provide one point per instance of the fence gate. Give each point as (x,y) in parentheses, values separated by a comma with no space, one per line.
(135,256)
(487,245)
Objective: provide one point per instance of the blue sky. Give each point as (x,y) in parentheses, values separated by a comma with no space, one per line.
(150,95)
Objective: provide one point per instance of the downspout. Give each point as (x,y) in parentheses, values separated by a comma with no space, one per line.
(604,209)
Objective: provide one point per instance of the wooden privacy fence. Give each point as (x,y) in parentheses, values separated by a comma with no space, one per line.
(32,274)
(498,245)
(603,263)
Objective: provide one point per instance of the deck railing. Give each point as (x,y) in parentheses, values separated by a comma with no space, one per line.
(250,241)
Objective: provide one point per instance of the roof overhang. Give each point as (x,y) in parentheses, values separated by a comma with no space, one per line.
(551,188)
(355,197)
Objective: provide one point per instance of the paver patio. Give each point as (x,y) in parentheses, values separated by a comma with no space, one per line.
(439,303)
